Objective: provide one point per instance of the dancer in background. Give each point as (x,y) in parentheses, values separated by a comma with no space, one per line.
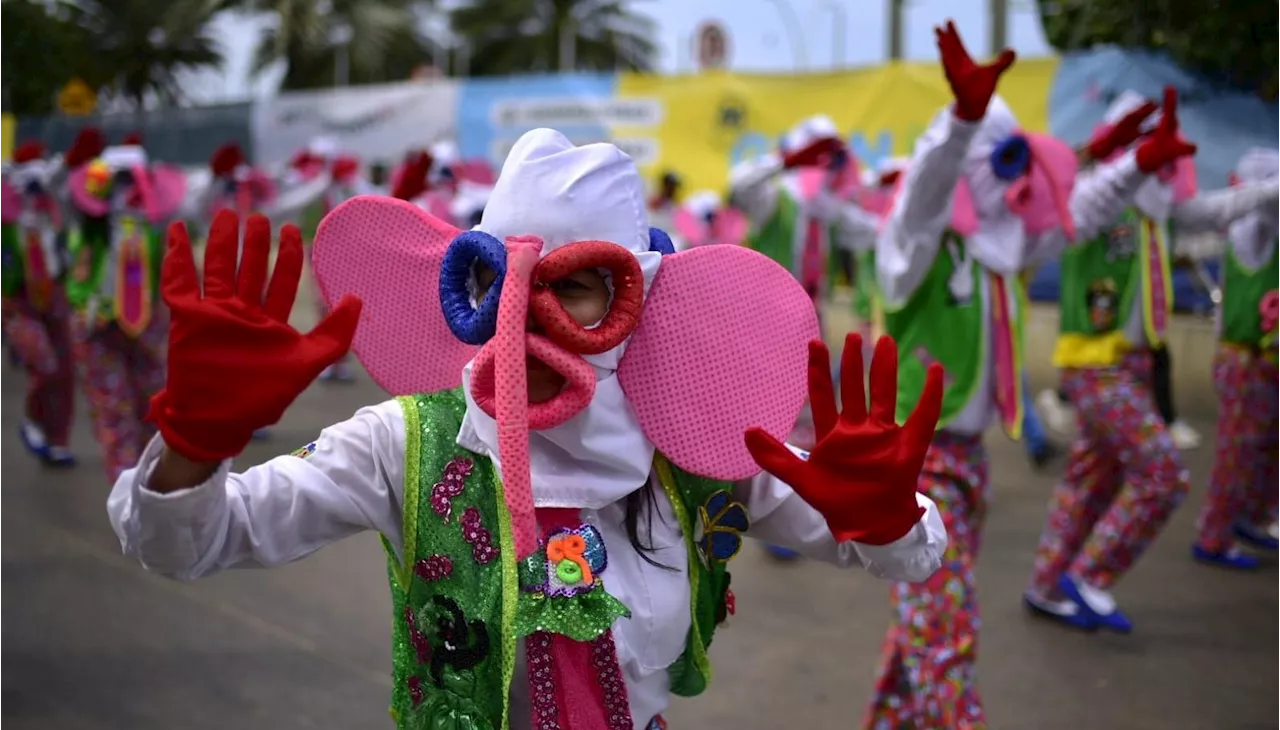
(605,484)
(320,178)
(794,199)
(236,185)
(704,220)
(36,316)
(119,323)
(1125,476)
(1241,501)
(440,182)
(980,201)
(877,197)
(665,201)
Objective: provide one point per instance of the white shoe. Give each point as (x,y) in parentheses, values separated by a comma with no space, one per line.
(1184,437)
(1058,416)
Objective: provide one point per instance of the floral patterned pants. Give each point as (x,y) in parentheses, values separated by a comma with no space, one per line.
(927,676)
(1124,479)
(120,374)
(42,339)
(1243,484)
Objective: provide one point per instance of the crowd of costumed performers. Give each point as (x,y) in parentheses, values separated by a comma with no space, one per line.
(583,428)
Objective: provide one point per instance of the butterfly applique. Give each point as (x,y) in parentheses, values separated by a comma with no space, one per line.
(722,522)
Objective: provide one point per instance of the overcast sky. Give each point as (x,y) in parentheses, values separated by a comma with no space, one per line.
(759,35)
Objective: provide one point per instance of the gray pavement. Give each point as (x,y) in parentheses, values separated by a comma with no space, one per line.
(90,641)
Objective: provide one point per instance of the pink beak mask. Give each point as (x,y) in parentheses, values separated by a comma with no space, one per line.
(670,368)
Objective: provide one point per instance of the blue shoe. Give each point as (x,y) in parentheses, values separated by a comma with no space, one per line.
(262,434)
(33,438)
(59,457)
(1230,558)
(1256,537)
(1115,620)
(1077,620)
(784,554)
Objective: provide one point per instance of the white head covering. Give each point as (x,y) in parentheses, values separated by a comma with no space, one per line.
(809,131)
(324,146)
(1259,165)
(1153,197)
(444,153)
(124,157)
(566,194)
(703,202)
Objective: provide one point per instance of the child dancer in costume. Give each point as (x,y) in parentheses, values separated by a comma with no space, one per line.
(236,185)
(980,200)
(443,184)
(320,178)
(36,314)
(875,200)
(664,203)
(704,220)
(119,324)
(557,528)
(1242,490)
(1125,476)
(794,199)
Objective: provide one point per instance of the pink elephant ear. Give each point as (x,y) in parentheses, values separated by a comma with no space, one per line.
(964,216)
(168,188)
(388,253)
(1185,182)
(689,226)
(699,374)
(732,226)
(86,202)
(10,203)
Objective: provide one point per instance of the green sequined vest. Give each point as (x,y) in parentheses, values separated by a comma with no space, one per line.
(1243,290)
(459,597)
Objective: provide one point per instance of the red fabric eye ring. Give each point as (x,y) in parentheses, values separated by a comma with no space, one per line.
(624,310)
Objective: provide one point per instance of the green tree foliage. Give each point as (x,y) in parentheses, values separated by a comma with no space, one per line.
(40,53)
(1232,41)
(384,43)
(140,48)
(504,37)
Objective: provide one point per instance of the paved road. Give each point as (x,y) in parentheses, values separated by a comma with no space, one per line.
(93,642)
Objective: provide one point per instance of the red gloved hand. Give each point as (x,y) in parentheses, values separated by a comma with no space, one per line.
(972,85)
(235,364)
(862,474)
(813,153)
(1164,146)
(1124,133)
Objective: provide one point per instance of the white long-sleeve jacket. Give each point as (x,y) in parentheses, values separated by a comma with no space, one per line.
(290,507)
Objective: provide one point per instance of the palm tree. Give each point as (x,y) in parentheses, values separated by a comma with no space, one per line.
(504,37)
(138,48)
(383,42)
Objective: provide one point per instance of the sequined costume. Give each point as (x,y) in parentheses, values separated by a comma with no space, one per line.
(509,584)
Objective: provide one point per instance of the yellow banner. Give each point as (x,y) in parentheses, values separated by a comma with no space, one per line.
(8,127)
(711,121)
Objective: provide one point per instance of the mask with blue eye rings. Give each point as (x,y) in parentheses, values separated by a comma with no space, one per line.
(33,187)
(1011,158)
(709,217)
(839,159)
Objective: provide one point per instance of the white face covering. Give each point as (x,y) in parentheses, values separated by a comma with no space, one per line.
(566,194)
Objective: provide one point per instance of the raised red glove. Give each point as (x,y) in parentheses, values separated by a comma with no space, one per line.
(1164,146)
(235,364)
(1124,133)
(813,153)
(863,471)
(971,84)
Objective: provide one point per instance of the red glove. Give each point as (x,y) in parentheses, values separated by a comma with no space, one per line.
(972,85)
(1164,146)
(1124,133)
(812,154)
(862,474)
(235,364)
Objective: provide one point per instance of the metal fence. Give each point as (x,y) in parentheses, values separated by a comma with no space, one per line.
(186,136)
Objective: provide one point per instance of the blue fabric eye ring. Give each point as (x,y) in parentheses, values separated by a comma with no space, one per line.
(473,326)
(1011,158)
(659,241)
